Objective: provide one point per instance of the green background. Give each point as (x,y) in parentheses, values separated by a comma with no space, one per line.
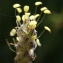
(52,44)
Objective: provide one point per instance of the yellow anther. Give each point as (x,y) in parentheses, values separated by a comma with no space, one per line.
(32,17)
(19,10)
(47,12)
(26,8)
(13,32)
(16,5)
(17,38)
(27,14)
(32,24)
(37,15)
(25,17)
(33,37)
(38,3)
(43,8)
(18,18)
(38,42)
(47,28)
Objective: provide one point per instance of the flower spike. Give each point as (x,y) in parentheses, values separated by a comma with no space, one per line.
(26,39)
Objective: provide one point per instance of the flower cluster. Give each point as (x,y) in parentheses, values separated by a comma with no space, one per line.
(27,40)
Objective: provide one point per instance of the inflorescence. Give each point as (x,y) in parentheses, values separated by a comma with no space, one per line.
(27,39)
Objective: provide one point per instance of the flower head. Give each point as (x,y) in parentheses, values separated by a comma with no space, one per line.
(26,39)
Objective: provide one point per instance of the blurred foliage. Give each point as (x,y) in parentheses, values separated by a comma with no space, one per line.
(52,44)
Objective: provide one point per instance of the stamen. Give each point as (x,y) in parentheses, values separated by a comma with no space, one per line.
(38,42)
(14,41)
(35,10)
(9,46)
(37,4)
(39,17)
(47,28)
(11,43)
(41,20)
(15,12)
(41,33)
